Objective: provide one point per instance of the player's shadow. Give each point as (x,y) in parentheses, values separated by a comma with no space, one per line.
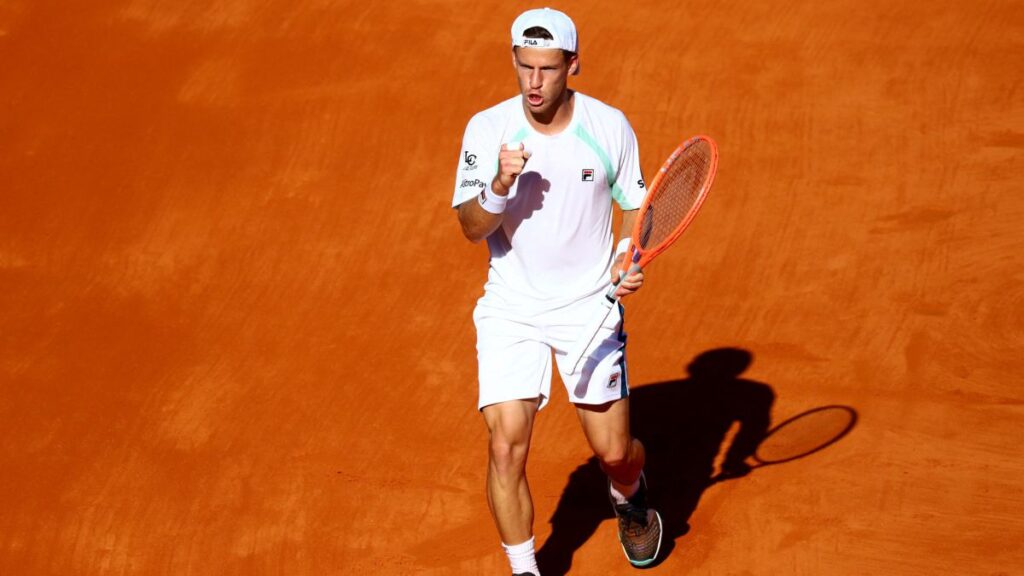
(683,425)
(530,193)
(529,199)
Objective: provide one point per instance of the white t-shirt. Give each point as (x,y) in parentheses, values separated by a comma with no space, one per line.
(555,245)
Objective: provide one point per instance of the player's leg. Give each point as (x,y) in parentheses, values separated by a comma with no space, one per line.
(515,382)
(600,392)
(510,425)
(621,456)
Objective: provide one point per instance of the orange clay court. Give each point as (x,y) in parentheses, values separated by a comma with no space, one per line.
(235,322)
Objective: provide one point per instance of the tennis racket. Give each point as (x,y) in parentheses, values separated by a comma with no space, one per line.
(673,200)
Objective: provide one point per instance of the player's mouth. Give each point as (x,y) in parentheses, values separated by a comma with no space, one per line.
(534,99)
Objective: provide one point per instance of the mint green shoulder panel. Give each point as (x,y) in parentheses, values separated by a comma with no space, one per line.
(609,169)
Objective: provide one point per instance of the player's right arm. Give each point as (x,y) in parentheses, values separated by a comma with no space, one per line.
(477,223)
(482,215)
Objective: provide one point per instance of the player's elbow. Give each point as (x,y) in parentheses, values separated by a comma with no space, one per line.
(469,234)
(472,233)
(472,228)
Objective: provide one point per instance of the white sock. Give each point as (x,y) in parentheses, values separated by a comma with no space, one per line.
(522,558)
(621,498)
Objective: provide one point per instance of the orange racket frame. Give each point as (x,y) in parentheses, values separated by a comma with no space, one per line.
(638,257)
(647,255)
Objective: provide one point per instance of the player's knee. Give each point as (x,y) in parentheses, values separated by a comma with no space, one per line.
(614,455)
(508,454)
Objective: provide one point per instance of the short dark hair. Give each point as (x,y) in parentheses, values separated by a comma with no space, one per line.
(540,33)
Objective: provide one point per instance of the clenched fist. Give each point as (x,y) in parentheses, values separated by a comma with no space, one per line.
(511,163)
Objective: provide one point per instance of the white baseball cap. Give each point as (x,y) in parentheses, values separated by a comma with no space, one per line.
(563,31)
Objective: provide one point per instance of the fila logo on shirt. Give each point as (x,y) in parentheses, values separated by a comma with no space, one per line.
(588,174)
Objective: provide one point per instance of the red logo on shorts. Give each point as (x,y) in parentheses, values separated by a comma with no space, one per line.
(614,380)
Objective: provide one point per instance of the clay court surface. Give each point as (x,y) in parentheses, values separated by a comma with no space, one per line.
(235,306)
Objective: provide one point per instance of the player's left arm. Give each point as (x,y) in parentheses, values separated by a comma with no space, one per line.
(632,282)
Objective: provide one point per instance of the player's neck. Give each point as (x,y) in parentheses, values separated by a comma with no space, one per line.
(555,120)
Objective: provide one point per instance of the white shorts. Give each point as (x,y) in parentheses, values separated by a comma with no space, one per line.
(514,355)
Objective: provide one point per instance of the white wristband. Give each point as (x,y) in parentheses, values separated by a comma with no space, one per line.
(622,246)
(491,202)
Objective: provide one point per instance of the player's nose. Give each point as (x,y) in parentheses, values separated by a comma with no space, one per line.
(536,80)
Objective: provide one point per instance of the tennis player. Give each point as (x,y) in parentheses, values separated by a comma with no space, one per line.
(537,177)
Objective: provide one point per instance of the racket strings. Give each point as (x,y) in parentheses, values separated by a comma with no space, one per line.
(680,189)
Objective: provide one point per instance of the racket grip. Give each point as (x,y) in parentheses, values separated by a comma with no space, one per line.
(633,269)
(590,330)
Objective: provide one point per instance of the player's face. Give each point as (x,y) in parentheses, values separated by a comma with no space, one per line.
(543,74)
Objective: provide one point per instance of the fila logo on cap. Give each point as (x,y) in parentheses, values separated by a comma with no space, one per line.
(557,24)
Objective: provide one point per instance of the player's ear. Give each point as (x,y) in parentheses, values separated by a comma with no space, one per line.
(574,64)
(515,63)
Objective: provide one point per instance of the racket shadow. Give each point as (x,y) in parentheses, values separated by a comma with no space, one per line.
(684,425)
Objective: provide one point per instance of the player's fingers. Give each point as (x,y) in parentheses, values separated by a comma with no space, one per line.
(513,153)
(622,291)
(630,283)
(633,284)
(637,278)
(514,165)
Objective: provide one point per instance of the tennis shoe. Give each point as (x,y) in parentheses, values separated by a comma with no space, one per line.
(639,528)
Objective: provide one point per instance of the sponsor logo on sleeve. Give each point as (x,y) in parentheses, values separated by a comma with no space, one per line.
(470,160)
(588,174)
(641,184)
(474,183)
